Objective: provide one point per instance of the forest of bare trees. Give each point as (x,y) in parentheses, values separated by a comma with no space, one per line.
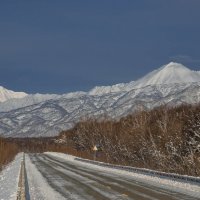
(165,139)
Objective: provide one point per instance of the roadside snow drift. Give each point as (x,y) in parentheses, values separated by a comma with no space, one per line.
(9,178)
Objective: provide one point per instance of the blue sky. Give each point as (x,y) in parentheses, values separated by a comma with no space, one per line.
(51,46)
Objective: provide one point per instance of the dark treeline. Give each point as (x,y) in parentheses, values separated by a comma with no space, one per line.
(10,147)
(165,139)
(41,144)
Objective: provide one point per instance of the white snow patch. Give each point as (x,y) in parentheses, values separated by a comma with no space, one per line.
(99,90)
(61,155)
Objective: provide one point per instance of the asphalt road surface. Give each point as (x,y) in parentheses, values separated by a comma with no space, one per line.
(74,181)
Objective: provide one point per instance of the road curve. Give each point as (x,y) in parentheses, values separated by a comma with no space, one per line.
(76,182)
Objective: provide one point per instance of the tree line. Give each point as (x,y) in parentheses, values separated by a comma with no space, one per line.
(165,139)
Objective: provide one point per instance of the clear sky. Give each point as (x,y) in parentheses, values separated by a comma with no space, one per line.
(58,46)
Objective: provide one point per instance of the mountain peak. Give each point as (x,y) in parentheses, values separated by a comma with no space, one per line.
(174,66)
(167,74)
(9,94)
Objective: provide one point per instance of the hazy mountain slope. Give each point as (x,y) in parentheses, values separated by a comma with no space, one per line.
(32,99)
(48,115)
(28,100)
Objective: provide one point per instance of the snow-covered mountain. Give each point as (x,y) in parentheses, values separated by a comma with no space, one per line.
(46,115)
(170,73)
(28,100)
(167,74)
(9,94)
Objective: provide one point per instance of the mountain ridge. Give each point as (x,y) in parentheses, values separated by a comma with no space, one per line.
(48,115)
(152,78)
(166,74)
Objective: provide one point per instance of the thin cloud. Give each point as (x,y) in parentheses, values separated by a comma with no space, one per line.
(185,59)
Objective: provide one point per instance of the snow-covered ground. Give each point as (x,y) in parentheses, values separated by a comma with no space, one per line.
(9,178)
(165,183)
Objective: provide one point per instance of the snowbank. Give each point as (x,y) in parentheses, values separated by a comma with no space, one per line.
(9,178)
(62,155)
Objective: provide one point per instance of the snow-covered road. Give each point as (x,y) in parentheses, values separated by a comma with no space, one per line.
(53,177)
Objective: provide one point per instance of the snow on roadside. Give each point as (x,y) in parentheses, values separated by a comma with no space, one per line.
(9,178)
(39,189)
(161,182)
(61,155)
